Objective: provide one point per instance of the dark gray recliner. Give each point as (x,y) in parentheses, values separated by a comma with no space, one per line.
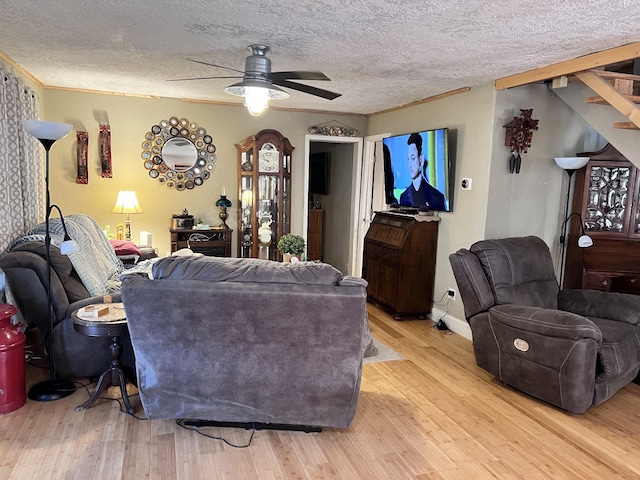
(570,348)
(74,354)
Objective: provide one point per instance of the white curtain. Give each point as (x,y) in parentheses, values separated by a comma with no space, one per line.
(22,202)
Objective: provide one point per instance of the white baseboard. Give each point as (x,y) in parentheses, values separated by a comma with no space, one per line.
(461,327)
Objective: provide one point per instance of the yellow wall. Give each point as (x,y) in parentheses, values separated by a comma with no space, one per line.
(130,118)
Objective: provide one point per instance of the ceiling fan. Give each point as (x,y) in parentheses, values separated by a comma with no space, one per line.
(259,83)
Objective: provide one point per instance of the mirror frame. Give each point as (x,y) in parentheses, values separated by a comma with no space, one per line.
(185,179)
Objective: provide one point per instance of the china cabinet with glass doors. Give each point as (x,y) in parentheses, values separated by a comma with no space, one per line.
(264,197)
(606,197)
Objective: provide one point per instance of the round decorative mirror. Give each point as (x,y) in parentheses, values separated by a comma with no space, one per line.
(178,153)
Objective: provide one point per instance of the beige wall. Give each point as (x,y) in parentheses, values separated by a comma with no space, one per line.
(469,117)
(130,118)
(533,201)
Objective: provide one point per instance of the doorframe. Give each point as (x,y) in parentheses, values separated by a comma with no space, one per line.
(355,190)
(365,211)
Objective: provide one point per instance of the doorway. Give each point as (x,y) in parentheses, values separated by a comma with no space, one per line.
(340,206)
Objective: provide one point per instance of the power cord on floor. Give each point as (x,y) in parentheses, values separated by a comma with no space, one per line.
(180,422)
(440,324)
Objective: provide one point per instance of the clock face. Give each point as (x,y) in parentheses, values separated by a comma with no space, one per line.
(268,160)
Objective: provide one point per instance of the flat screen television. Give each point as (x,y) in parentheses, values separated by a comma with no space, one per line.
(418,171)
(319,164)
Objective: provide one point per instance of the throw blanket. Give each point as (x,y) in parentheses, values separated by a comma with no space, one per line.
(95,260)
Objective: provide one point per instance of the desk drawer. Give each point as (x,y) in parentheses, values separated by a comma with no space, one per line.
(597,281)
(620,282)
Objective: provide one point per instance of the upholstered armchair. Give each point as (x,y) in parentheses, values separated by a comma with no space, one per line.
(570,348)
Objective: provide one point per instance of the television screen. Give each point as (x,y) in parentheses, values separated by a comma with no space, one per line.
(418,171)
(319,173)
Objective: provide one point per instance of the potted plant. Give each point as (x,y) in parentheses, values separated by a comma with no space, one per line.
(291,245)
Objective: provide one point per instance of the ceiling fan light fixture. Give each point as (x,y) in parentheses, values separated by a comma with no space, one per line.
(256,100)
(256,94)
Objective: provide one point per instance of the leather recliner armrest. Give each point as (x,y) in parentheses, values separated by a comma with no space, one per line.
(472,282)
(546,353)
(608,305)
(543,321)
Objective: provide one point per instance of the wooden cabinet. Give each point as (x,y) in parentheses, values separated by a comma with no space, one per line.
(400,261)
(212,242)
(606,197)
(264,196)
(314,234)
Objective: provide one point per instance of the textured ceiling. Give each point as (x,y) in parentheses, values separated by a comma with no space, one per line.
(379,54)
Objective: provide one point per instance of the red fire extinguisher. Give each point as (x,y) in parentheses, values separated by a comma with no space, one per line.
(12,379)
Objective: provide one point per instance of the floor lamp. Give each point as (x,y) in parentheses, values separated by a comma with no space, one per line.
(52,389)
(569,165)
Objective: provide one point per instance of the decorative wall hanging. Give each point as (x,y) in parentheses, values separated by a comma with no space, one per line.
(518,136)
(105,150)
(178,153)
(82,155)
(341,130)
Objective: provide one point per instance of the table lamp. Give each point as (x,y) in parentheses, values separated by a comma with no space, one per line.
(127,202)
(223,203)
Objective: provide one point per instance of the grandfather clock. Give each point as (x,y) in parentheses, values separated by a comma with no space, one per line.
(264,197)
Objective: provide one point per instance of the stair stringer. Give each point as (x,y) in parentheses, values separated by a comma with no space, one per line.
(602,118)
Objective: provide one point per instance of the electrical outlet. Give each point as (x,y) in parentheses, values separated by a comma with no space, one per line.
(451,292)
(466,183)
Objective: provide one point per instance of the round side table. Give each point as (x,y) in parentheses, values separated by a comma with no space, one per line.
(112,324)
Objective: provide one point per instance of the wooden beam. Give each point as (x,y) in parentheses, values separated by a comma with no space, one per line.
(611,95)
(617,75)
(626,125)
(99,92)
(587,62)
(597,100)
(420,102)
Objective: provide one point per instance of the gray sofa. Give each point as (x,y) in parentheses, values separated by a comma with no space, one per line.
(248,340)
(571,348)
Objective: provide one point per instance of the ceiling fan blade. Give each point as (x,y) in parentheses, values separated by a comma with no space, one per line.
(318,92)
(196,78)
(217,66)
(302,75)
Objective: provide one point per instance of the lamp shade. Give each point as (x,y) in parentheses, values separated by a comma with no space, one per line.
(223,201)
(571,163)
(127,202)
(69,246)
(585,241)
(46,130)
(256,94)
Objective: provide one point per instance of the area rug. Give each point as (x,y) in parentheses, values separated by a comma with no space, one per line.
(385,354)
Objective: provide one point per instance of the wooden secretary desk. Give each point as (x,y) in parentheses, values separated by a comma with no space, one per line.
(400,263)
(606,197)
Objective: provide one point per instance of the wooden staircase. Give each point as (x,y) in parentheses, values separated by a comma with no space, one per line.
(615,89)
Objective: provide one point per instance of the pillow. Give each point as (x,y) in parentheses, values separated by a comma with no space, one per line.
(124,247)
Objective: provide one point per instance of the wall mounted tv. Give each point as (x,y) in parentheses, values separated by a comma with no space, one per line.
(319,172)
(418,171)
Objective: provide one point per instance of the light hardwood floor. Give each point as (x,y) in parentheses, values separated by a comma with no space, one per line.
(434,415)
